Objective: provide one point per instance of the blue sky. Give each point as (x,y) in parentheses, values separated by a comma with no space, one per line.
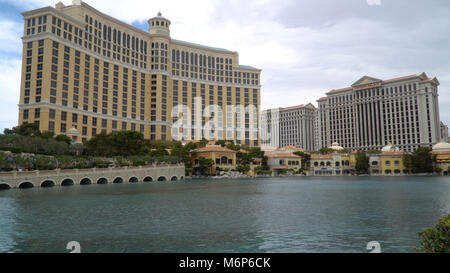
(304,47)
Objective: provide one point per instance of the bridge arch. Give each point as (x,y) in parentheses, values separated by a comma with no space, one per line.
(4,187)
(48,184)
(148,179)
(182,178)
(118,180)
(102,181)
(174,178)
(162,178)
(67,182)
(133,179)
(86,181)
(26,185)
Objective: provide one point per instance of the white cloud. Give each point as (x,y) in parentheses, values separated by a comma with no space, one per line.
(10,37)
(10,70)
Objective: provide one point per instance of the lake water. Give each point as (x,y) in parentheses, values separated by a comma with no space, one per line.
(294,215)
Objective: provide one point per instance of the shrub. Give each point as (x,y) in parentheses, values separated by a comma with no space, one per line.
(437,239)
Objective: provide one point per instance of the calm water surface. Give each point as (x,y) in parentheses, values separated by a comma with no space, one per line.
(262,215)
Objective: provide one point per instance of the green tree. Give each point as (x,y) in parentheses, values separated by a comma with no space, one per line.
(128,143)
(243,168)
(204,167)
(5,164)
(408,161)
(306,159)
(437,239)
(222,143)
(326,151)
(47,135)
(44,163)
(23,162)
(63,138)
(123,143)
(362,163)
(421,161)
(159,153)
(26,129)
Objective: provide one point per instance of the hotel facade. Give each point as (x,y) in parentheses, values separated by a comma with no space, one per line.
(373,113)
(292,126)
(85,73)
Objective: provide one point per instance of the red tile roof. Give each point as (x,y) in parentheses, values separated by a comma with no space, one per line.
(293,107)
(386,81)
(209,149)
(340,90)
(400,78)
(313,157)
(283,155)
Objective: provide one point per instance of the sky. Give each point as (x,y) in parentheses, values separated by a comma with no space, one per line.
(304,47)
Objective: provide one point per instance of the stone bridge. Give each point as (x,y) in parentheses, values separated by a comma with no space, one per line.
(22,180)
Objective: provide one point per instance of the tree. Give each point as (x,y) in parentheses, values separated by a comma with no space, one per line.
(437,239)
(205,165)
(26,129)
(306,158)
(128,143)
(362,163)
(222,143)
(123,143)
(63,138)
(408,162)
(326,151)
(44,163)
(421,161)
(159,153)
(243,168)
(47,135)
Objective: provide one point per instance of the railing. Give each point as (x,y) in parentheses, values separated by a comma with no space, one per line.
(59,172)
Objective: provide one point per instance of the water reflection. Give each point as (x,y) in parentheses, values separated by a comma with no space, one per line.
(266,215)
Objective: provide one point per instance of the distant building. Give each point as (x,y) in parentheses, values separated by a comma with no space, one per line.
(292,126)
(222,158)
(335,164)
(283,161)
(391,158)
(373,113)
(444,132)
(442,152)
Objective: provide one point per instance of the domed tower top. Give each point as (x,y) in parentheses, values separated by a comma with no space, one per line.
(159,25)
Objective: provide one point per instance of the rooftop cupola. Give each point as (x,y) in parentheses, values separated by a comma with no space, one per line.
(159,25)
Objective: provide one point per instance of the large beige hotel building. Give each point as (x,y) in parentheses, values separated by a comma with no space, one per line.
(85,72)
(373,113)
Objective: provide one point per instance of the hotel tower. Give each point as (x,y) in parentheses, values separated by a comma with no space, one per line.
(373,113)
(84,72)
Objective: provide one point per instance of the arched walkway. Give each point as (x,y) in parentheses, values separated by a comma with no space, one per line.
(148,179)
(162,178)
(26,185)
(133,180)
(4,187)
(102,181)
(118,180)
(174,178)
(67,182)
(86,181)
(47,184)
